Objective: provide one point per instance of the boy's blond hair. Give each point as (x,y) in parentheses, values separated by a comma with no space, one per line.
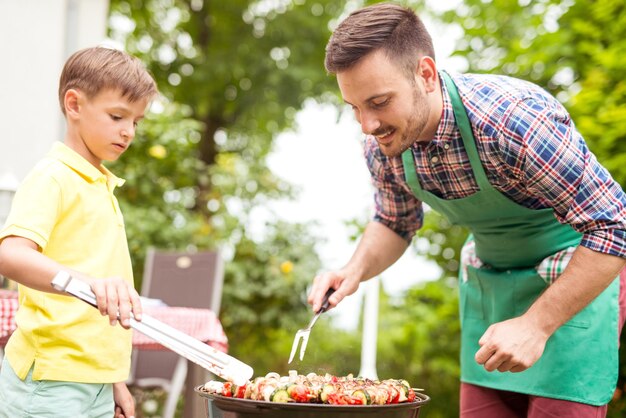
(91,70)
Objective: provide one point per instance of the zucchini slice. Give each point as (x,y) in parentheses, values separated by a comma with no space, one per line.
(363,396)
(327,389)
(280,395)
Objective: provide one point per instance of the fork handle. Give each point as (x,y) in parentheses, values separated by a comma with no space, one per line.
(325,303)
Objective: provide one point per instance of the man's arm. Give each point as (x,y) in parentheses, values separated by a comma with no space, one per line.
(516,344)
(378,249)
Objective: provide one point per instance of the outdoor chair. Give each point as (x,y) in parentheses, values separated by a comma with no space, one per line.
(187,279)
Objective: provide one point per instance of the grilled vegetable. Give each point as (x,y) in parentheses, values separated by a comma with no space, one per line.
(299,393)
(327,389)
(280,395)
(314,388)
(238,391)
(363,396)
(227,389)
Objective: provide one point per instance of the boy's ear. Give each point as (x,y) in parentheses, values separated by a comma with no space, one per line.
(72,102)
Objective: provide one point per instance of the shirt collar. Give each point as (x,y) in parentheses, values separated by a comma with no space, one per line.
(76,162)
(447,129)
(447,126)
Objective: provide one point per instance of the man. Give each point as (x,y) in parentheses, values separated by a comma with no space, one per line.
(539,295)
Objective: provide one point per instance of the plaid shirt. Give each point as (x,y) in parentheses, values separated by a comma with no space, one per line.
(549,269)
(530,150)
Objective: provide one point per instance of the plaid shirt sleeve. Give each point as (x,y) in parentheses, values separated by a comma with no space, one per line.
(395,206)
(547,154)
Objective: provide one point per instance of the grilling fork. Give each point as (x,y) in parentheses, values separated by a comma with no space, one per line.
(303,334)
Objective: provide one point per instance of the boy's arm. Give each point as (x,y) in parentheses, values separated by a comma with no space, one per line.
(124,401)
(20,260)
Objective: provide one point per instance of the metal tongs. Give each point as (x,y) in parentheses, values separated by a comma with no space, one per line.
(215,361)
(303,334)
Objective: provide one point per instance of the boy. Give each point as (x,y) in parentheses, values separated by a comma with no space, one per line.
(64,360)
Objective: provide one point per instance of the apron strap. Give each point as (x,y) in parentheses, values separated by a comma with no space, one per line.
(410,173)
(463,123)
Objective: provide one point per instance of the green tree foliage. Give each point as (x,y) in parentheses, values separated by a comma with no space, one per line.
(420,330)
(159,170)
(574,49)
(232,74)
(420,341)
(443,243)
(244,69)
(598,98)
(266,291)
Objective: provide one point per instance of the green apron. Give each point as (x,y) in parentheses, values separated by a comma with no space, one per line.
(580,361)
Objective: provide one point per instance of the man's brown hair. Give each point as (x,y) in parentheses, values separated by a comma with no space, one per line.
(394,29)
(91,70)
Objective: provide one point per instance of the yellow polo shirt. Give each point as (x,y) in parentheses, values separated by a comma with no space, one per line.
(67,207)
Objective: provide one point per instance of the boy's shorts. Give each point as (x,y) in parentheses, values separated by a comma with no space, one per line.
(51,399)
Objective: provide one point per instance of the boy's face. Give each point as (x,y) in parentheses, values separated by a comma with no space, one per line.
(102,127)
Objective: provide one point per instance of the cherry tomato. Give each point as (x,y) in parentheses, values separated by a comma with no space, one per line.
(337,399)
(411,395)
(394,394)
(227,390)
(240,391)
(299,393)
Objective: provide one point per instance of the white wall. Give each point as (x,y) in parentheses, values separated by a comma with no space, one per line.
(36,36)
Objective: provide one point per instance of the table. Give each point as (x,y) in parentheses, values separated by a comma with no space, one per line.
(201,324)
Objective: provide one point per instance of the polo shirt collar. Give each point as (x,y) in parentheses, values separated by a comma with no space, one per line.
(76,162)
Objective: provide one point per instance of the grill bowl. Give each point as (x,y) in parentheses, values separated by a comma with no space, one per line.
(218,406)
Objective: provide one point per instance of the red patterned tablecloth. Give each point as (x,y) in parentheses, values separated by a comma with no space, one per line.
(201,324)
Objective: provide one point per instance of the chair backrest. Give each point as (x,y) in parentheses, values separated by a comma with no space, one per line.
(192,280)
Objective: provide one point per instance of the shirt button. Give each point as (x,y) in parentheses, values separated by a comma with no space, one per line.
(446,146)
(434,159)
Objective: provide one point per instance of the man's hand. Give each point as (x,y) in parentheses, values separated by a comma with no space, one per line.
(516,344)
(513,345)
(124,402)
(378,248)
(333,279)
(115,295)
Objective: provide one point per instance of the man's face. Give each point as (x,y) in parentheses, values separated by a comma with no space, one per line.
(388,104)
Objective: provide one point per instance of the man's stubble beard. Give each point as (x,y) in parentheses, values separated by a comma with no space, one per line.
(415,124)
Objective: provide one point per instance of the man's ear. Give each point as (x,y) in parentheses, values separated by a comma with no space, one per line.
(427,72)
(72,103)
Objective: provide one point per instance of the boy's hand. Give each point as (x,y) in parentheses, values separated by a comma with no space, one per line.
(115,296)
(124,402)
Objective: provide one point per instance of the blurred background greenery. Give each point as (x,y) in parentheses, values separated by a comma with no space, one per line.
(235,73)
